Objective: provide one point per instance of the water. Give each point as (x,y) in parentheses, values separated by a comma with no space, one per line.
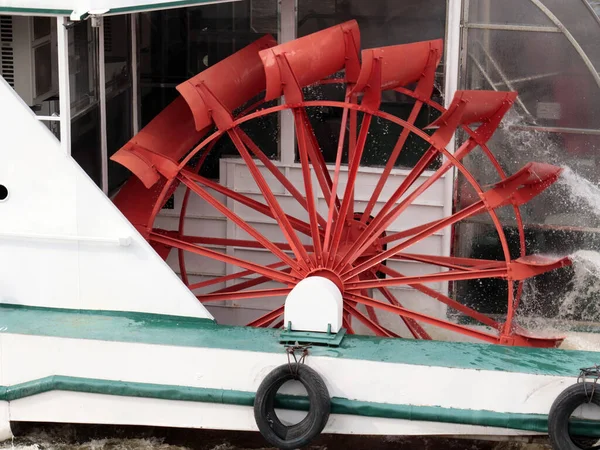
(581,191)
(69,437)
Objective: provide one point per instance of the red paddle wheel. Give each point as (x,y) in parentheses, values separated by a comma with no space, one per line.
(350,246)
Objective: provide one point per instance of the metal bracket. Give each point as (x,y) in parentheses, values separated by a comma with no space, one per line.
(328,338)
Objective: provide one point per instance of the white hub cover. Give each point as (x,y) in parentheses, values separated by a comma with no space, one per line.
(313,305)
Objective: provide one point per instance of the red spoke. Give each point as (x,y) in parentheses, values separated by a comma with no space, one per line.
(372,325)
(333,208)
(223,242)
(182,214)
(446,300)
(391,161)
(451,275)
(297,224)
(316,157)
(424,318)
(228,259)
(233,276)
(451,262)
(347,207)
(284,223)
(266,319)
(415,329)
(277,173)
(246,284)
(278,324)
(308,189)
(471,210)
(383,218)
(346,322)
(266,243)
(244,295)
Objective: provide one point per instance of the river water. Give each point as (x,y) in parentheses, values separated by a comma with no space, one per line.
(83,437)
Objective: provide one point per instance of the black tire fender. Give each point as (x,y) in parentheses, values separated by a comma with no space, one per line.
(303,433)
(562,409)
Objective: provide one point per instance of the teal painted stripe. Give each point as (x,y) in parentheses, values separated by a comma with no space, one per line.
(35,11)
(526,422)
(158,329)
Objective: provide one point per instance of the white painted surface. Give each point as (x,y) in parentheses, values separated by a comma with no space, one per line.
(315,304)
(50,195)
(220,369)
(5,431)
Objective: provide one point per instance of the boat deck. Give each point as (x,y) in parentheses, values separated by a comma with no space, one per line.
(191,332)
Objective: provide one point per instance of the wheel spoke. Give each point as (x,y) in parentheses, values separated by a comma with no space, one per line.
(333,206)
(385,218)
(246,284)
(233,276)
(266,243)
(244,295)
(284,223)
(267,319)
(316,156)
(275,275)
(446,300)
(415,329)
(469,211)
(391,161)
(372,325)
(347,207)
(451,262)
(451,275)
(277,173)
(308,189)
(297,224)
(423,318)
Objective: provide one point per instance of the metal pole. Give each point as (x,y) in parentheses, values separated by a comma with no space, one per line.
(64,91)
(102,95)
(287,32)
(452,68)
(135,82)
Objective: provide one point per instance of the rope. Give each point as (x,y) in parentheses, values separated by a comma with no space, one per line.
(593,373)
(291,351)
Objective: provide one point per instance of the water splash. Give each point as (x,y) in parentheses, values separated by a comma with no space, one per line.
(582,302)
(581,190)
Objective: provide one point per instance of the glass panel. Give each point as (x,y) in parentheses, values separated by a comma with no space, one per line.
(82,68)
(119,126)
(584,27)
(557,122)
(177,44)
(554,85)
(382,23)
(85,115)
(42,27)
(507,12)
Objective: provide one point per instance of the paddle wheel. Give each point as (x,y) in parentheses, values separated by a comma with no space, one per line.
(339,238)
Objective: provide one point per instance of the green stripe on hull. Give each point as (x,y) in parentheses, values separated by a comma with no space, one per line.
(526,422)
(191,332)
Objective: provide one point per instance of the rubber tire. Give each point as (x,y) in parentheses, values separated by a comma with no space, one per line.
(303,433)
(561,410)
